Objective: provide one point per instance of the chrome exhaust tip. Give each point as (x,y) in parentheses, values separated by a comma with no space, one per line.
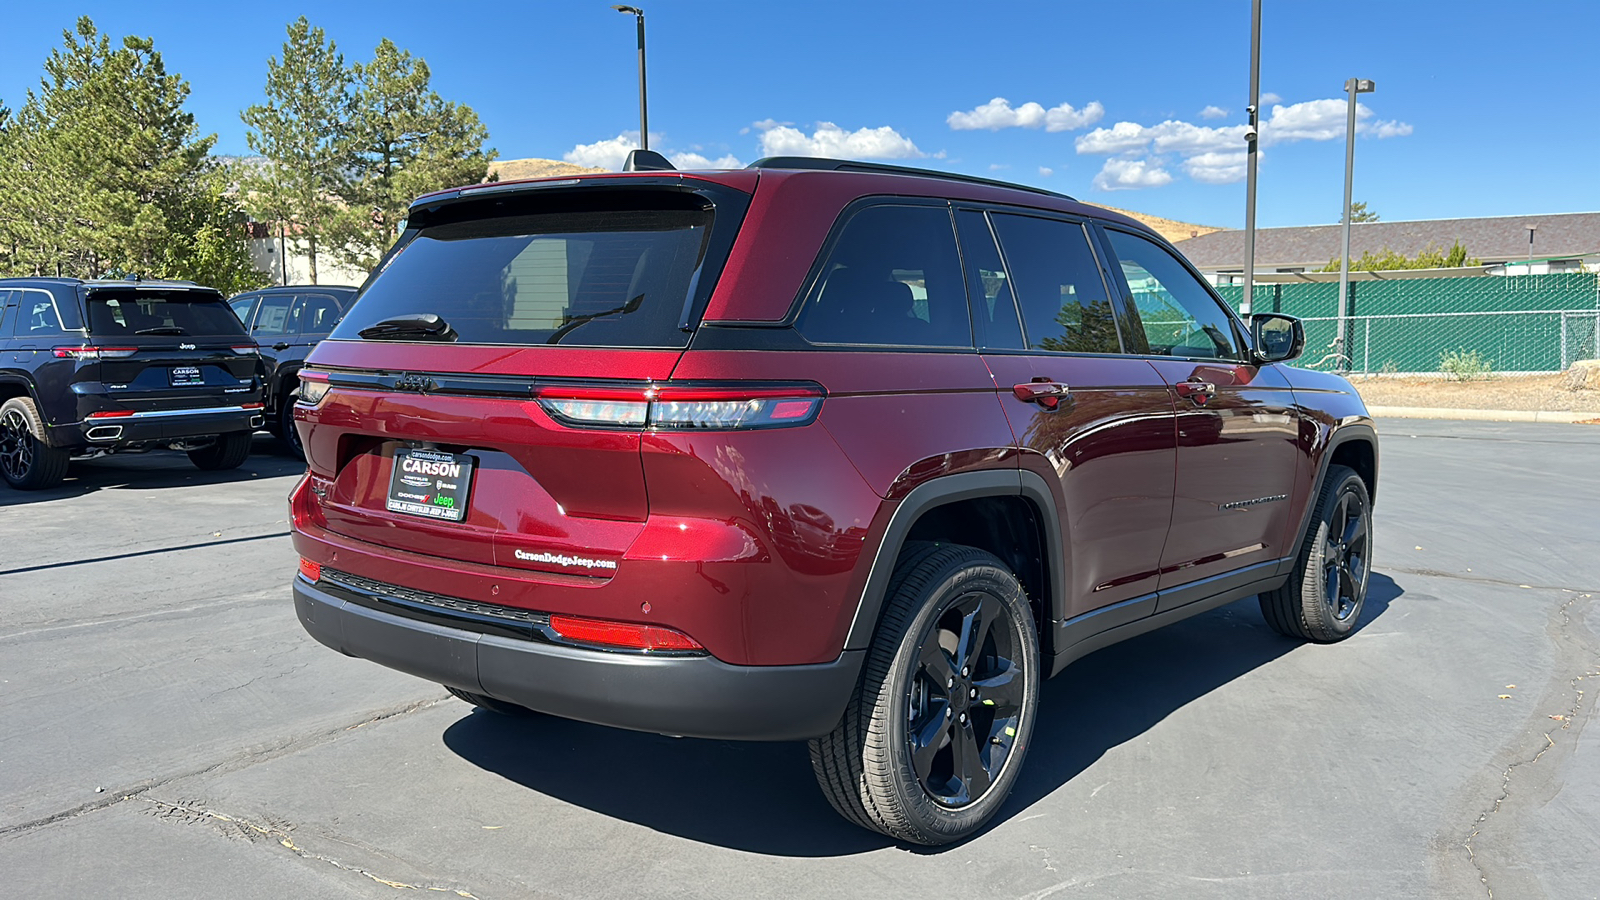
(104,433)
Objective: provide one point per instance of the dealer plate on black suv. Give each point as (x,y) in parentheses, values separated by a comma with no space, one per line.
(184,376)
(430,483)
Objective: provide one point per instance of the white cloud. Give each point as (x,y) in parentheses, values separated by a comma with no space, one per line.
(1046,171)
(1213,112)
(1216,154)
(998,113)
(1216,168)
(696,161)
(995,167)
(778,139)
(1131,174)
(611,154)
(604,154)
(1270,97)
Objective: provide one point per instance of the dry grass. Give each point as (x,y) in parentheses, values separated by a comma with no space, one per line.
(517,169)
(1171,229)
(1521,392)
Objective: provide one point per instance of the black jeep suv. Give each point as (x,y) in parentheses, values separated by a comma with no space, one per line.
(287,321)
(94,367)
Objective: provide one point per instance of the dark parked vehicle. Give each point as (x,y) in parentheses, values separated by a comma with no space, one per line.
(813,450)
(95,367)
(287,322)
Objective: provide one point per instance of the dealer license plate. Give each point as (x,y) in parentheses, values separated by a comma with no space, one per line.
(430,483)
(185,376)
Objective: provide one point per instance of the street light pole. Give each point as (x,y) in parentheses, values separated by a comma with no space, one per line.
(644,111)
(1352,87)
(1531,228)
(1250,135)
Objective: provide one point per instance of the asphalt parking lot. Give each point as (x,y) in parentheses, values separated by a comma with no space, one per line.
(167,729)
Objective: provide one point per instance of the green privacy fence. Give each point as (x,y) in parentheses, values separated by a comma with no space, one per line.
(1523,323)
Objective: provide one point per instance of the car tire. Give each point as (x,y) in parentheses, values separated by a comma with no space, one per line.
(932,740)
(1323,597)
(228,451)
(285,430)
(26,462)
(491,704)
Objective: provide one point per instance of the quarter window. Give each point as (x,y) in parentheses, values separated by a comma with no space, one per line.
(892,279)
(38,315)
(1179,317)
(1063,299)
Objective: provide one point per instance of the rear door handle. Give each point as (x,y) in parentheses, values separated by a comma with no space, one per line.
(280,346)
(1047,394)
(1200,392)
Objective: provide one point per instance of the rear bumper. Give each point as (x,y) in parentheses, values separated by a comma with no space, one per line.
(693,696)
(156,426)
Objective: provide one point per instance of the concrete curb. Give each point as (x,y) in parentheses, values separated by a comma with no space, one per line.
(1481,415)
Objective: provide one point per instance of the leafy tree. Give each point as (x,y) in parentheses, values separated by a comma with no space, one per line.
(405,140)
(211,240)
(1360,213)
(1431,257)
(103,166)
(304,131)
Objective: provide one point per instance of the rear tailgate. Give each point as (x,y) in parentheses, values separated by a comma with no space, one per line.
(590,294)
(165,348)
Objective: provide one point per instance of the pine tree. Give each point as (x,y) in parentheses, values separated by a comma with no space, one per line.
(406,141)
(304,132)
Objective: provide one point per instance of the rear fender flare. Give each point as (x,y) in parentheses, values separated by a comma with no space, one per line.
(953,489)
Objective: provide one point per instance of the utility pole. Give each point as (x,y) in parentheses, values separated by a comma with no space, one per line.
(1352,87)
(1250,137)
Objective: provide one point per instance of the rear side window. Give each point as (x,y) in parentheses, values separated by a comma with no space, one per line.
(315,314)
(1063,299)
(37,315)
(114,313)
(609,279)
(893,278)
(993,307)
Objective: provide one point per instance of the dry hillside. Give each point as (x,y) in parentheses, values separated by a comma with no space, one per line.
(514,169)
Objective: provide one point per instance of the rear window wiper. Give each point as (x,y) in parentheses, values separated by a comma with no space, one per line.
(413,327)
(162,329)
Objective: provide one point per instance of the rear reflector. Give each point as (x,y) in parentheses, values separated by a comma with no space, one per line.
(622,634)
(109,414)
(94,352)
(683,408)
(309,570)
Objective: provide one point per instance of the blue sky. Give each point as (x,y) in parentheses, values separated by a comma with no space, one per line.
(1481,109)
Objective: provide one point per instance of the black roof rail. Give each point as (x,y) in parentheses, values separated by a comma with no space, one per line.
(847,165)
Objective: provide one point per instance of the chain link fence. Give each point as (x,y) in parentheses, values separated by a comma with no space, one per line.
(1455,326)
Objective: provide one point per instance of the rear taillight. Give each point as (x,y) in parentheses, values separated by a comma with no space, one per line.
(313,386)
(310,571)
(683,408)
(622,634)
(246,349)
(86,352)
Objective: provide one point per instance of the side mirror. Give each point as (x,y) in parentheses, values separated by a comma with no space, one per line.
(1277,338)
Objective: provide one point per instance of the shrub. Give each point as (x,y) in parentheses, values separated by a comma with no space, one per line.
(1465,365)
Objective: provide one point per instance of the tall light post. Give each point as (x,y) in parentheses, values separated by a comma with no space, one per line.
(1352,87)
(1531,229)
(1250,135)
(644,110)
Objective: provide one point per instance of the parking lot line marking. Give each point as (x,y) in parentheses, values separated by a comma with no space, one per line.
(99,559)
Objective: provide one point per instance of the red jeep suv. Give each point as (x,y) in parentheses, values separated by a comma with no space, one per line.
(818,450)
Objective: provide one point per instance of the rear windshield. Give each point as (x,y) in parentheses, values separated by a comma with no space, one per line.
(597,278)
(129,313)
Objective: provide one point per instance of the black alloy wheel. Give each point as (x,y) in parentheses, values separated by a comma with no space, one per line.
(934,736)
(1323,597)
(965,700)
(1344,556)
(26,462)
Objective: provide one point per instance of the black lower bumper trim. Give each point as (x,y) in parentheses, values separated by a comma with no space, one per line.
(697,696)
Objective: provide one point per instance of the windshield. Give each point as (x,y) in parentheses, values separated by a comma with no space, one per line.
(129,313)
(595,278)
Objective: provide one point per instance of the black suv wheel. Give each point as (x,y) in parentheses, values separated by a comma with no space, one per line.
(228,451)
(26,461)
(1323,597)
(932,741)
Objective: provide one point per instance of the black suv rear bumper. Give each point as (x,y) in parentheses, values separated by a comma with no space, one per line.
(155,427)
(693,696)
